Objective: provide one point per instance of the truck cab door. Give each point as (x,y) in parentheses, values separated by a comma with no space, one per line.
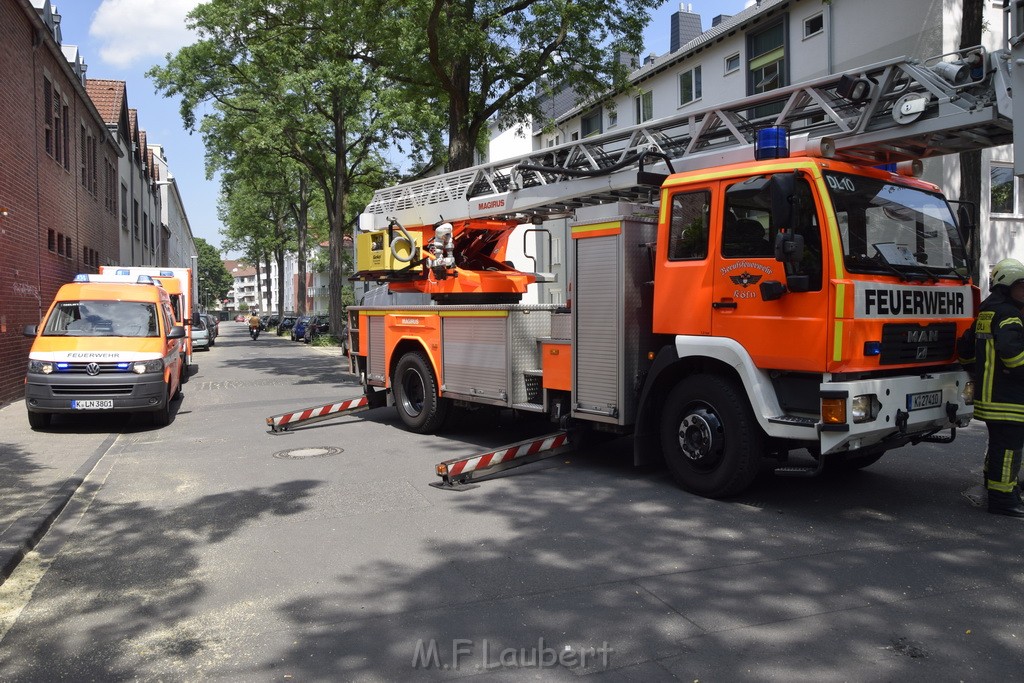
(789,332)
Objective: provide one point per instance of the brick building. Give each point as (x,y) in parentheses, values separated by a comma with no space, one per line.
(58,188)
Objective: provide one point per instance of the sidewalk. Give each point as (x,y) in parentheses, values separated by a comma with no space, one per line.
(40,471)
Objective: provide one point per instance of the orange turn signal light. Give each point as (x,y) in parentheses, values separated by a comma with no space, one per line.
(833,411)
(442,470)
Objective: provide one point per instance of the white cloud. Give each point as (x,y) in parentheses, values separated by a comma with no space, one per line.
(131,30)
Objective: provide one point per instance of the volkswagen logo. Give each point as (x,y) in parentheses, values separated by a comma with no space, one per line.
(93,369)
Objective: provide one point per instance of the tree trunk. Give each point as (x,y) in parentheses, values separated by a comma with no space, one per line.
(461,142)
(279,257)
(302,229)
(259,285)
(970,162)
(270,290)
(336,279)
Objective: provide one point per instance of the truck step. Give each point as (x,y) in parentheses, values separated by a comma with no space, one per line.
(800,470)
(530,407)
(794,420)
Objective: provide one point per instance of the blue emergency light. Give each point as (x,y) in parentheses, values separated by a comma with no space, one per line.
(772,143)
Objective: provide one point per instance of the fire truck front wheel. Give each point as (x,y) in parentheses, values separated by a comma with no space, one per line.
(711,442)
(416,395)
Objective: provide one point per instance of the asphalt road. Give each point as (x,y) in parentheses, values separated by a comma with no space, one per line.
(201,551)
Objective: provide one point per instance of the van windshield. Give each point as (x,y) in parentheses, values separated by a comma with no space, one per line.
(102,319)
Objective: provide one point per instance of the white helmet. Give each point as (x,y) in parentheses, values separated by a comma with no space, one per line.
(1006,272)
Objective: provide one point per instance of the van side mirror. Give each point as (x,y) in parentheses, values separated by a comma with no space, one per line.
(30,330)
(176,332)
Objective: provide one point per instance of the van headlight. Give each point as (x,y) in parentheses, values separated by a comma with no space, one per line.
(142,367)
(40,367)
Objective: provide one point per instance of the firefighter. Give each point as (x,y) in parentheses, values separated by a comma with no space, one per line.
(994,352)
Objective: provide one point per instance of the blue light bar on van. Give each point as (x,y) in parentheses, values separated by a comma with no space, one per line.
(772,143)
(122,271)
(166,273)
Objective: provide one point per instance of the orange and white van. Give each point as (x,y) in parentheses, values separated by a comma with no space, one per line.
(178,283)
(108,343)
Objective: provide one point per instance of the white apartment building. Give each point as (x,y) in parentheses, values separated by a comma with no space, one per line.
(774,43)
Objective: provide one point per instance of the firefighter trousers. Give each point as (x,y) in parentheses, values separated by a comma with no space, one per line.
(1003,457)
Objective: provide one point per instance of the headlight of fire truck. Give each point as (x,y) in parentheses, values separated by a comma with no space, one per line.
(863,408)
(968,393)
(142,367)
(40,367)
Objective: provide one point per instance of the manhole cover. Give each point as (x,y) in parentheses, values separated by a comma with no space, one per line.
(309,452)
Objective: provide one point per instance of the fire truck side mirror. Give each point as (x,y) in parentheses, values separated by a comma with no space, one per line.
(789,247)
(771,290)
(782,187)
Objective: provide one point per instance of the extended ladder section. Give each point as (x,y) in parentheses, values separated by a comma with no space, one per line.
(897,110)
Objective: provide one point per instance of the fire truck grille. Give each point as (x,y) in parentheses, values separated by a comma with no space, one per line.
(908,343)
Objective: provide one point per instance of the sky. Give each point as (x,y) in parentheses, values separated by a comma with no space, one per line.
(122,39)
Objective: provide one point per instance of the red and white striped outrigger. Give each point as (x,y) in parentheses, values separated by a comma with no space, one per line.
(457,473)
(281,423)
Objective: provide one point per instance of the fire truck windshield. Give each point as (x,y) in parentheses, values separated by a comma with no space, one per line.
(891,228)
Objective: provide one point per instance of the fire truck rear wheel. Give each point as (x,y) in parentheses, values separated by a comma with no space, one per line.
(711,442)
(415,387)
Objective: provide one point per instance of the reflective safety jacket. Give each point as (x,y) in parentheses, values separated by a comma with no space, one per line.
(993,350)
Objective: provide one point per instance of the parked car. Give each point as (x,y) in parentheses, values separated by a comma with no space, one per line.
(317,325)
(240,318)
(287,322)
(298,330)
(213,325)
(200,335)
(272,321)
(263,322)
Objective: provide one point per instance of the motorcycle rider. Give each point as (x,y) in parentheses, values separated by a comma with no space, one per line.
(254,325)
(993,350)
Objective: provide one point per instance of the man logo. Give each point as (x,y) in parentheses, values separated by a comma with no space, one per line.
(93,369)
(922,336)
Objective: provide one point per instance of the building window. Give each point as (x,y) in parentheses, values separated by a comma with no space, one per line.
(688,236)
(58,138)
(145,228)
(613,119)
(124,208)
(643,106)
(135,219)
(689,86)
(93,182)
(82,153)
(1002,190)
(814,25)
(767,65)
(69,251)
(732,63)
(51,240)
(48,116)
(591,123)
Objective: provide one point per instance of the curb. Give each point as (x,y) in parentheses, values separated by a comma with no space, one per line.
(26,532)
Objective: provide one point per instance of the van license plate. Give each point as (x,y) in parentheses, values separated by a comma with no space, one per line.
(92,405)
(926,399)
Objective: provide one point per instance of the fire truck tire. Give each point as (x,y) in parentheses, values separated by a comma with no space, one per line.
(711,441)
(416,396)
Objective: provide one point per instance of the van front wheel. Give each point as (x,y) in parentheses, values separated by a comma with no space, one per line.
(39,420)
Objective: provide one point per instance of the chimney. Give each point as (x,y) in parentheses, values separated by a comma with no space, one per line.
(685,26)
(649,59)
(719,19)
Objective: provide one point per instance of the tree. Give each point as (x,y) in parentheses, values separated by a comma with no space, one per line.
(295,77)
(213,278)
(480,59)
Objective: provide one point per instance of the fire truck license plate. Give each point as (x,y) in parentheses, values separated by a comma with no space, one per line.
(926,399)
(92,405)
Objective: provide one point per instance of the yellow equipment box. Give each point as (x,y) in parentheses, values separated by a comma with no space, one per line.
(374,253)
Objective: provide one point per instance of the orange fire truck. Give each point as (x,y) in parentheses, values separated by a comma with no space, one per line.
(747,281)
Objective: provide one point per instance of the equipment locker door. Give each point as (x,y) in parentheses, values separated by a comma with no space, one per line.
(789,332)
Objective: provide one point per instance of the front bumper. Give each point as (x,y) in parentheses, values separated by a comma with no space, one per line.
(128,392)
(896,422)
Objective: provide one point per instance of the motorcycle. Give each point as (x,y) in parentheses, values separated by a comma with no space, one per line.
(254,332)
